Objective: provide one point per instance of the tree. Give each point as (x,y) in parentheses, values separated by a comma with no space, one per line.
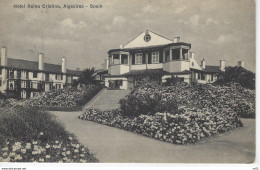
(239,75)
(86,77)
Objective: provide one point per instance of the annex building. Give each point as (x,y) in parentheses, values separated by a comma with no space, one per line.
(28,78)
(154,58)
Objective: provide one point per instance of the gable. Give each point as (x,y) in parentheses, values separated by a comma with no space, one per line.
(155,39)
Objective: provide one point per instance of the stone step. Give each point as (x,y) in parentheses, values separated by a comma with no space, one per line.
(107,99)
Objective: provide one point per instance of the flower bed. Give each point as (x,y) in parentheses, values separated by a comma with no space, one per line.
(39,151)
(65,99)
(183,113)
(190,126)
(29,134)
(162,99)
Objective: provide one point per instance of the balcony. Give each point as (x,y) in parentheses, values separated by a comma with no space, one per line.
(118,69)
(176,66)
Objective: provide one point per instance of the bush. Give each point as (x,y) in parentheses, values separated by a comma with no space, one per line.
(190,126)
(146,102)
(30,134)
(65,99)
(238,75)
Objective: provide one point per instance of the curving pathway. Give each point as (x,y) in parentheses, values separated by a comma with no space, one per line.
(119,146)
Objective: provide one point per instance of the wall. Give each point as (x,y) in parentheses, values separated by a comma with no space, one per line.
(155,40)
(118,69)
(176,66)
(124,84)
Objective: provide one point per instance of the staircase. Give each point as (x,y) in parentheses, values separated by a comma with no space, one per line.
(107,99)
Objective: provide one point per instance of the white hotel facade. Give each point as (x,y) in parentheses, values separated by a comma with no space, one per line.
(29,78)
(154,58)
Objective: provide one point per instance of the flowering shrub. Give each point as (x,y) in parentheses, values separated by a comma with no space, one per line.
(183,113)
(169,98)
(190,126)
(65,99)
(49,151)
(29,134)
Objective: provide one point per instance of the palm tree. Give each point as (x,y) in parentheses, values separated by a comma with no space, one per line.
(86,77)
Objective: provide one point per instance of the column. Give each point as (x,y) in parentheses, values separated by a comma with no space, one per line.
(120,58)
(112,61)
(163,56)
(146,58)
(171,55)
(181,54)
(188,54)
(128,60)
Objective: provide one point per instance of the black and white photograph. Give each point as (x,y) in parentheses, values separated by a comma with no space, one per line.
(127,81)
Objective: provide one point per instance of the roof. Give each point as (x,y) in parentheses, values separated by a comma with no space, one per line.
(212,69)
(100,71)
(33,65)
(159,72)
(149,47)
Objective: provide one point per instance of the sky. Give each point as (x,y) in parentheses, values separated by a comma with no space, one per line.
(216,29)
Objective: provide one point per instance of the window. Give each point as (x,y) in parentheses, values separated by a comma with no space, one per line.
(23,94)
(69,79)
(0,83)
(47,87)
(34,85)
(199,76)
(202,76)
(58,86)
(58,77)
(138,58)
(147,38)
(33,94)
(23,84)
(23,74)
(11,85)
(11,74)
(0,71)
(155,57)
(34,74)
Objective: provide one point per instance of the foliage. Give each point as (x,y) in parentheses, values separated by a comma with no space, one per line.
(86,77)
(65,99)
(191,125)
(237,75)
(148,99)
(30,134)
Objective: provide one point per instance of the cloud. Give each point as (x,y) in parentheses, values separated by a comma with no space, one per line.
(180,9)
(210,21)
(118,20)
(148,9)
(225,38)
(193,21)
(70,24)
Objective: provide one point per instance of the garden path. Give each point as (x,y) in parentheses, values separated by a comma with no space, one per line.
(107,99)
(114,145)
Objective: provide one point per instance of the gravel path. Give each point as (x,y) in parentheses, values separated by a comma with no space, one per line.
(115,145)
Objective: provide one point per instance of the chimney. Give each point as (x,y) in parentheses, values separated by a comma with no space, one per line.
(192,55)
(222,65)
(203,63)
(3,56)
(241,63)
(121,46)
(41,63)
(176,39)
(63,65)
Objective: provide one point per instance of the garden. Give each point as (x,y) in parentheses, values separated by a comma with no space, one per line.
(67,99)
(30,134)
(182,113)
